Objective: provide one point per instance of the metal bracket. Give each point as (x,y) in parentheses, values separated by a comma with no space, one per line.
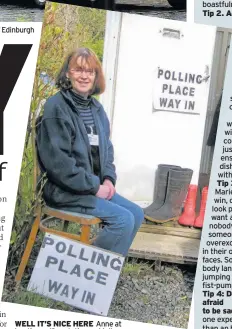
(171,33)
(207,75)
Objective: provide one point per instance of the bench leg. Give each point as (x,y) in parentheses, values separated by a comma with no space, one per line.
(65,226)
(28,249)
(85,234)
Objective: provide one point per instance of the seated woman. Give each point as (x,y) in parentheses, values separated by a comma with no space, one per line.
(77,155)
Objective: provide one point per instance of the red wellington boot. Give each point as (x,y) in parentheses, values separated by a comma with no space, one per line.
(200,219)
(188,216)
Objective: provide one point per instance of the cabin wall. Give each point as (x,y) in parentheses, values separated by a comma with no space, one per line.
(143,134)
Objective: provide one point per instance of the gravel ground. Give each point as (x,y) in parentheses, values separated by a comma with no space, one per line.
(159,297)
(10,13)
(162,12)
(14,13)
(158,8)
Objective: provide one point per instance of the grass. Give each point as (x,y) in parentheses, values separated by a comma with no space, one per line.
(132,269)
(20,295)
(73,228)
(23,19)
(137,268)
(24,297)
(145,299)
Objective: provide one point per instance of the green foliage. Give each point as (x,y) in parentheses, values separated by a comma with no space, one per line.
(23,19)
(132,268)
(30,298)
(65,28)
(137,268)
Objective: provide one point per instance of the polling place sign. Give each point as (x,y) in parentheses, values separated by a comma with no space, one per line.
(178,90)
(76,274)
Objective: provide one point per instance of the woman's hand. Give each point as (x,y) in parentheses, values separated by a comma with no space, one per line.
(103,192)
(108,183)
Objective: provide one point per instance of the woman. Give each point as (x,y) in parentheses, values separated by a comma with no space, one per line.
(77,155)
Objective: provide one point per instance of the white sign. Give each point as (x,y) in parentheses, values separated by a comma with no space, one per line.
(177,91)
(76,274)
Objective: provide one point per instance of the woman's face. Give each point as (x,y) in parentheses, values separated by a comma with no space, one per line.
(82,77)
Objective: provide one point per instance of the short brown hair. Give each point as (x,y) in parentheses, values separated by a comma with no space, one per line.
(93,62)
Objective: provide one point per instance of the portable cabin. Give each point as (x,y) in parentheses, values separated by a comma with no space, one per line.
(145,132)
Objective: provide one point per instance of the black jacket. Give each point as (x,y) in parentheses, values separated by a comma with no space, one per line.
(65,154)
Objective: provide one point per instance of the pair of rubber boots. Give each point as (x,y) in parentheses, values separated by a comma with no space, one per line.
(188,217)
(171,187)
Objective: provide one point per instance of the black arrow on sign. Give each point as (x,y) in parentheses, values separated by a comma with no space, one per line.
(12,60)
